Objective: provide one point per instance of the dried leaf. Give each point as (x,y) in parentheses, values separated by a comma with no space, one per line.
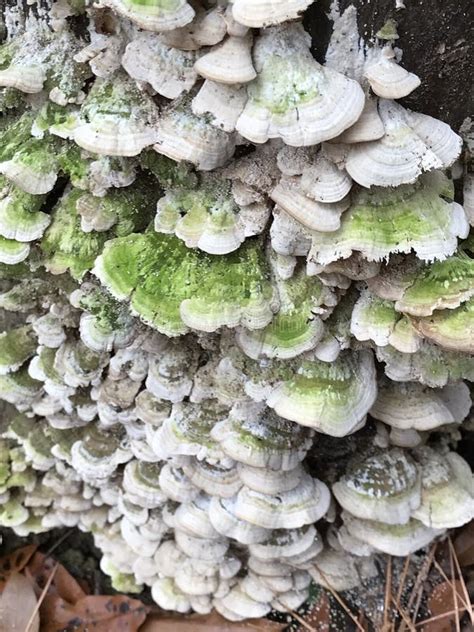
(441,602)
(464,545)
(17,604)
(212,622)
(319,617)
(64,585)
(14,562)
(116,613)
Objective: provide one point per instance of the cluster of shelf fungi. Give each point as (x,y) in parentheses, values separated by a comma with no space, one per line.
(213,252)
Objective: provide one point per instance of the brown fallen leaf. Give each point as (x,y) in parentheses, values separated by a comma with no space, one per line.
(14,562)
(66,606)
(212,622)
(100,613)
(442,602)
(17,605)
(63,585)
(464,545)
(319,617)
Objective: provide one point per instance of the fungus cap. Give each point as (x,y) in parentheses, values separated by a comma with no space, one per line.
(156,15)
(262,13)
(447,495)
(389,80)
(229,62)
(327,102)
(385,487)
(410,405)
(398,540)
(306,399)
(304,504)
(168,70)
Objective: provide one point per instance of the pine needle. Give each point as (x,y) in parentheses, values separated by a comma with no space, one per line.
(388,593)
(301,621)
(466,600)
(42,596)
(339,600)
(450,582)
(438,617)
(403,578)
(420,578)
(404,616)
(455,595)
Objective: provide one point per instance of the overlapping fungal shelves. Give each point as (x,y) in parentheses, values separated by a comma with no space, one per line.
(216,251)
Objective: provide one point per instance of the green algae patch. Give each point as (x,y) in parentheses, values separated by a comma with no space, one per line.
(16,346)
(172,288)
(443,284)
(67,247)
(382,221)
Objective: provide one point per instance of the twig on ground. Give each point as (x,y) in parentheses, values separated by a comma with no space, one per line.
(418,587)
(404,616)
(403,578)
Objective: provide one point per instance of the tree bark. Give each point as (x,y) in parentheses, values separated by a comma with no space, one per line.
(436,39)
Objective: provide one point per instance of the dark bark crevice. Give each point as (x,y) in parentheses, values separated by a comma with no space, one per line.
(436,39)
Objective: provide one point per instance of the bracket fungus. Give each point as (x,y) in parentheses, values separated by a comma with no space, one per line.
(389,80)
(410,217)
(214,251)
(409,147)
(168,70)
(229,62)
(410,405)
(293,97)
(156,15)
(116,119)
(183,135)
(385,487)
(209,218)
(262,13)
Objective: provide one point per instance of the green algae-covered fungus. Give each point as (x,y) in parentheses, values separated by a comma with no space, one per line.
(154,15)
(430,365)
(210,342)
(173,288)
(208,217)
(116,119)
(450,328)
(441,285)
(13,252)
(65,244)
(105,322)
(19,388)
(41,59)
(297,327)
(332,398)
(30,163)
(293,97)
(383,221)
(20,216)
(16,346)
